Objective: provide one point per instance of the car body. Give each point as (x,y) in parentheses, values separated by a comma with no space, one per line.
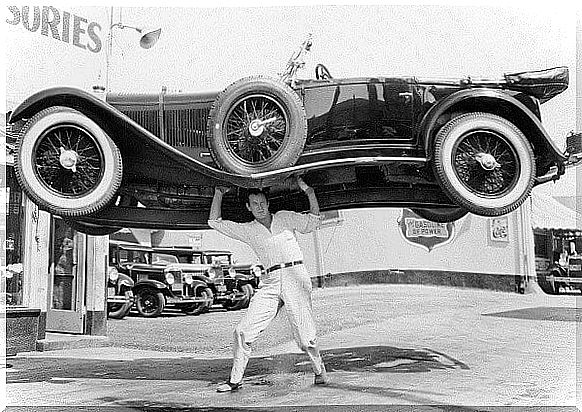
(444,147)
(563,275)
(158,280)
(232,285)
(120,297)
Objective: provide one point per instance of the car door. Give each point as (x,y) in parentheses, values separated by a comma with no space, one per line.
(351,113)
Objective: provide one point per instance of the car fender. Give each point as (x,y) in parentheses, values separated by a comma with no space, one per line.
(150,283)
(125,281)
(118,126)
(557,270)
(512,109)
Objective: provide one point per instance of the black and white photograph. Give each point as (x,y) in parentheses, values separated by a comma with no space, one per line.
(292,206)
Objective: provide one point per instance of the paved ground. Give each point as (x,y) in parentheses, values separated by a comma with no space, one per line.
(383,345)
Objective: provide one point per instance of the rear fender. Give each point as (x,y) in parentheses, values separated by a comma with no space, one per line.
(495,102)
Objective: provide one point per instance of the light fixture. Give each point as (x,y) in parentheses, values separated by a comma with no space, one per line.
(148,38)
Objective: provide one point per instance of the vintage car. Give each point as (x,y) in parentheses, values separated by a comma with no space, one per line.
(444,147)
(563,275)
(158,280)
(232,284)
(119,294)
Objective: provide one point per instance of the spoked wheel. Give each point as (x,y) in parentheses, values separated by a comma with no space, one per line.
(150,303)
(199,308)
(256,125)
(66,163)
(484,163)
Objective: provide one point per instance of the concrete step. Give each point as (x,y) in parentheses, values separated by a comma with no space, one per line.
(58,341)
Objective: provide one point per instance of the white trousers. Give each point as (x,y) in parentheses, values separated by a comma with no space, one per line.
(288,287)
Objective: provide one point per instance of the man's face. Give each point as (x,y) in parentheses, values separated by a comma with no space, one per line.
(258,205)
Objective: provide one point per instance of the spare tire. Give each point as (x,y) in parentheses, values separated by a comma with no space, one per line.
(66,163)
(256,124)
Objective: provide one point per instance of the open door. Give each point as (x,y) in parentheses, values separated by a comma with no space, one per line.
(66,284)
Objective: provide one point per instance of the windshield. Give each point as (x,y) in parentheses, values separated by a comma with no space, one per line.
(162,258)
(216,260)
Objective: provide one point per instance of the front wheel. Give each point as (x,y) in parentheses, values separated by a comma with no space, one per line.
(150,303)
(484,163)
(120,310)
(66,163)
(248,291)
(256,124)
(199,308)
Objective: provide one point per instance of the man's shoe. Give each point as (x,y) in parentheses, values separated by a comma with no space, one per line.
(321,378)
(229,387)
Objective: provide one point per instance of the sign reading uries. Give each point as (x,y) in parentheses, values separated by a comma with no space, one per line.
(60,25)
(424,233)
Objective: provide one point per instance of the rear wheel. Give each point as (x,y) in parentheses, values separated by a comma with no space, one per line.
(257,124)
(484,163)
(66,163)
(150,303)
(441,215)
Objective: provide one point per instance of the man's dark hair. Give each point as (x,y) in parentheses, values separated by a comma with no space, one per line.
(257,191)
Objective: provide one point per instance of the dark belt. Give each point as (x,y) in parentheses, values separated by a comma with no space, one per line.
(284,265)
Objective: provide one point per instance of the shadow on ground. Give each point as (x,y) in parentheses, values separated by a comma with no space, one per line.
(542,313)
(375,359)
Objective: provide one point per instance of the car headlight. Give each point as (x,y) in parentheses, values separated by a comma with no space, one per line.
(188,278)
(257,271)
(232,272)
(211,273)
(170,278)
(113,274)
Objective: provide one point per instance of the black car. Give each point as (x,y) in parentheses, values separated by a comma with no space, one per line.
(442,146)
(158,281)
(232,284)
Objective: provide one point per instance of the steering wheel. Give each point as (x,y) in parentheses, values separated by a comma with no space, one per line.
(321,72)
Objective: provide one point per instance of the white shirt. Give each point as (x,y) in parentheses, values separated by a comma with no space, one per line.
(277,245)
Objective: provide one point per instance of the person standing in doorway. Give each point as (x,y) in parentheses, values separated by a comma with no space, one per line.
(286,282)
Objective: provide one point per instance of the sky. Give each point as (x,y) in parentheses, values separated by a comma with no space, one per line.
(207,48)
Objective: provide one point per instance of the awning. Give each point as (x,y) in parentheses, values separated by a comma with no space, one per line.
(548,213)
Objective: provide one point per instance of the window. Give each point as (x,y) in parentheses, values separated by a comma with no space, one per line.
(13,243)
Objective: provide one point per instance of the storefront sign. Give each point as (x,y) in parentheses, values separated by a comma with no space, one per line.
(60,25)
(424,233)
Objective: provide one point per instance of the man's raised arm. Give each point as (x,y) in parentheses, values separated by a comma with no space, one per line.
(308,190)
(216,207)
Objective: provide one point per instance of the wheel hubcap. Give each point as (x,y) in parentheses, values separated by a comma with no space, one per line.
(68,159)
(487,161)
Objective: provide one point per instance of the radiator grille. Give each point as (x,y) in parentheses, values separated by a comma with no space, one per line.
(182,127)
(186,128)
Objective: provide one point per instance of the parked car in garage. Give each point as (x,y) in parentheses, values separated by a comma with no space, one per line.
(563,275)
(232,284)
(444,147)
(158,281)
(120,297)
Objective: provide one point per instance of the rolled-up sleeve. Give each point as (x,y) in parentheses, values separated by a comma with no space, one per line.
(303,222)
(229,228)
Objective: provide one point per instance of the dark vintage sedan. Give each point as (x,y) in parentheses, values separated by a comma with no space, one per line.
(442,147)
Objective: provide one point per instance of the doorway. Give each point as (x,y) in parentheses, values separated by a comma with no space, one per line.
(65,311)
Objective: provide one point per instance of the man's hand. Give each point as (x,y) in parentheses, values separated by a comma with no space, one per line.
(221,189)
